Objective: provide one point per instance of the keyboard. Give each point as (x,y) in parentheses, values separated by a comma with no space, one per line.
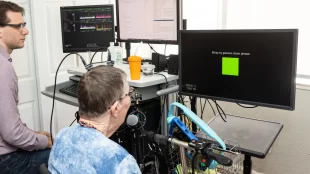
(70,90)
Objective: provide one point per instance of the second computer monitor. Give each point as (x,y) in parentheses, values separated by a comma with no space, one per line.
(87,28)
(245,66)
(148,21)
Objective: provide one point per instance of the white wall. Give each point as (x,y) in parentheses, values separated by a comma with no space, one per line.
(266,14)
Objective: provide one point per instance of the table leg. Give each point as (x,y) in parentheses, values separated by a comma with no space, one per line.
(247,164)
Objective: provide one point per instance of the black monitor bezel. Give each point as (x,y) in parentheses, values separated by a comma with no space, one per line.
(172,42)
(66,50)
(294,67)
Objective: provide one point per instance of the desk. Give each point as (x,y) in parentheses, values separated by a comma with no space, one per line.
(147,86)
(145,81)
(255,137)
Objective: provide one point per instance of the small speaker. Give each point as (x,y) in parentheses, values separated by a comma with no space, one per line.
(173,64)
(159,60)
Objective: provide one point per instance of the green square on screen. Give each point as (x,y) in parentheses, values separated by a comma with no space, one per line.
(230,66)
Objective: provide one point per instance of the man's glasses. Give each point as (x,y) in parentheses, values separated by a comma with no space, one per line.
(17,26)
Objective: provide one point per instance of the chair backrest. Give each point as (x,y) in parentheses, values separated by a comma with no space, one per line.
(43,169)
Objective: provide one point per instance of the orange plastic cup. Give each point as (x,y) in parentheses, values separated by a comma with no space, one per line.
(135,67)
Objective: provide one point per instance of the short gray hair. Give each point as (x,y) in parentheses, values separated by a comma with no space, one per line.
(98,89)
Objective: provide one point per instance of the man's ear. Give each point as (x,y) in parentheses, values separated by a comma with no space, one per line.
(115,109)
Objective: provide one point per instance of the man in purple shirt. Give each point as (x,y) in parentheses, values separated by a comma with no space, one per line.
(22,150)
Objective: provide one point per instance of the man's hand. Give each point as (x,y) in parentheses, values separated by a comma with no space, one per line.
(49,138)
(49,143)
(44,133)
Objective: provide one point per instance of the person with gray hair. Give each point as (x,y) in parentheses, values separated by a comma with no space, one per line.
(104,100)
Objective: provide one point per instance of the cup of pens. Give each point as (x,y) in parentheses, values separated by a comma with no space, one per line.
(135,67)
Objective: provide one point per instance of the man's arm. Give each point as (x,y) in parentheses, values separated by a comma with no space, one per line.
(12,130)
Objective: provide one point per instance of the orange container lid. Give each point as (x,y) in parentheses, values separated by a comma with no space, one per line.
(134,58)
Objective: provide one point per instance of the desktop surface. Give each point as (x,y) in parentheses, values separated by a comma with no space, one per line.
(144,81)
(255,137)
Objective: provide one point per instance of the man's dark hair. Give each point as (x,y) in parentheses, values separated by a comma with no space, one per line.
(6,6)
(98,89)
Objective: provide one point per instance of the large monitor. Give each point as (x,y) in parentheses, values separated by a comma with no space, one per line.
(148,21)
(87,28)
(255,67)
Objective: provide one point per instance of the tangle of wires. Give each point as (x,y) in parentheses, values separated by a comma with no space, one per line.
(217,106)
(220,111)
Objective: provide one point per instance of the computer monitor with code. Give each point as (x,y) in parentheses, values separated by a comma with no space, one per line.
(87,28)
(255,67)
(148,21)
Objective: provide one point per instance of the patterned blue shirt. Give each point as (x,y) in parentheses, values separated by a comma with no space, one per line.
(85,150)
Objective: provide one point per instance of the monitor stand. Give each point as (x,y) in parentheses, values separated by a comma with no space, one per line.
(127,47)
(247,164)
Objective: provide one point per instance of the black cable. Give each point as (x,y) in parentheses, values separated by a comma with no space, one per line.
(220,111)
(219,107)
(165,79)
(51,121)
(246,106)
(211,106)
(152,48)
(193,104)
(181,99)
(193,163)
(72,122)
(91,60)
(77,117)
(167,104)
(202,108)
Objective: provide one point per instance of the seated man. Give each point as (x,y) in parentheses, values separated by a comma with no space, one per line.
(22,150)
(104,99)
